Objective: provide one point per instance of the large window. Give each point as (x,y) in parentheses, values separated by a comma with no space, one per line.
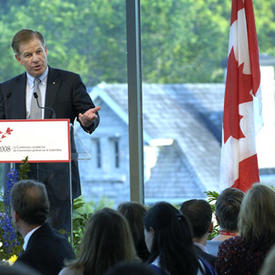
(184,49)
(184,53)
(88,38)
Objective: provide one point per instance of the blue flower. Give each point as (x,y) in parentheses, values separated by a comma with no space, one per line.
(8,233)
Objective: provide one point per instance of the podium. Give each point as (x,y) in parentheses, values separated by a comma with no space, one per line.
(47,144)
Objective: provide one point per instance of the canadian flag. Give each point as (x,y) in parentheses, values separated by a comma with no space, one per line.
(239,164)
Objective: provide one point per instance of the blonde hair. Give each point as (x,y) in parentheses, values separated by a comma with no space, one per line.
(257,214)
(107,241)
(268,267)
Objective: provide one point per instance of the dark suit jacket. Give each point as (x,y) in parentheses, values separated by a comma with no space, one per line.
(46,251)
(67,95)
(208,257)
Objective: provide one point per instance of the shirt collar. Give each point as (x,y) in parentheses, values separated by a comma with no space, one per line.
(201,246)
(27,237)
(156,262)
(42,77)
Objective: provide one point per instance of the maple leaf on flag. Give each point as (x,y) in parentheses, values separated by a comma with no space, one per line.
(239,165)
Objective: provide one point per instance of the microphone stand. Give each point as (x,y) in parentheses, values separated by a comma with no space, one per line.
(45,108)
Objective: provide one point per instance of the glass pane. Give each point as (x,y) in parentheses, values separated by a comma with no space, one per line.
(184,50)
(88,38)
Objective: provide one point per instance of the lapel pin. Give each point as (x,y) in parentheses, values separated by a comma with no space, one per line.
(53,82)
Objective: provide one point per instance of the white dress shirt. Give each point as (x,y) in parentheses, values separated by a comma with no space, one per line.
(27,237)
(30,90)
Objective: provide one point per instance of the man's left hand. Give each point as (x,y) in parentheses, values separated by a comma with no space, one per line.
(88,117)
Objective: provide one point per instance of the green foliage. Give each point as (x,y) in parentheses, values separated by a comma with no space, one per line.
(182,40)
(24,168)
(265,23)
(215,232)
(176,43)
(81,212)
(212,198)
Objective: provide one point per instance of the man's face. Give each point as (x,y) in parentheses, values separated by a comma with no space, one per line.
(33,56)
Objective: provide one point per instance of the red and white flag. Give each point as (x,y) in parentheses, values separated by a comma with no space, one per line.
(239,164)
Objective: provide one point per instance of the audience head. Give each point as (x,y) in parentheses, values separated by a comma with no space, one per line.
(199,213)
(168,236)
(133,268)
(24,36)
(18,269)
(134,212)
(257,214)
(228,207)
(29,202)
(106,241)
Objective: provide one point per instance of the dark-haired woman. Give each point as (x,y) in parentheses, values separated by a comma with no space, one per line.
(134,212)
(169,239)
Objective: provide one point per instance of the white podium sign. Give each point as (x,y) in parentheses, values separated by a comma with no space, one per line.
(46,140)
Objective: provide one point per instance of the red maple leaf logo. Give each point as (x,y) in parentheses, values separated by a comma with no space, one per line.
(237,91)
(3,135)
(8,131)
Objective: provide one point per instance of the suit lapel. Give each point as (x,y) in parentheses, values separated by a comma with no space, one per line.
(52,88)
(19,100)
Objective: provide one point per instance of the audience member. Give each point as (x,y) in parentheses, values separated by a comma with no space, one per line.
(106,242)
(168,238)
(268,267)
(19,269)
(131,268)
(245,254)
(227,210)
(199,213)
(44,248)
(134,212)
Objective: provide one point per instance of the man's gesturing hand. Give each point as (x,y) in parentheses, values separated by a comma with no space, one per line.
(88,117)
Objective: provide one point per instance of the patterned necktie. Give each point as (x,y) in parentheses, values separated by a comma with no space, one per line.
(36,112)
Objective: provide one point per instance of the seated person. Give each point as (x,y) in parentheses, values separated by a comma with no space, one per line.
(19,269)
(106,242)
(131,268)
(199,213)
(44,248)
(227,210)
(169,239)
(268,267)
(245,254)
(134,212)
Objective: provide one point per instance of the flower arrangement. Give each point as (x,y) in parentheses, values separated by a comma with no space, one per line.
(10,241)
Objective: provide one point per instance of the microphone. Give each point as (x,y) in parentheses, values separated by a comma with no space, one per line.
(7,103)
(8,95)
(45,108)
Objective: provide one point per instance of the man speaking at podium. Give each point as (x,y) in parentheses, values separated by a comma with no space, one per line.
(44,92)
